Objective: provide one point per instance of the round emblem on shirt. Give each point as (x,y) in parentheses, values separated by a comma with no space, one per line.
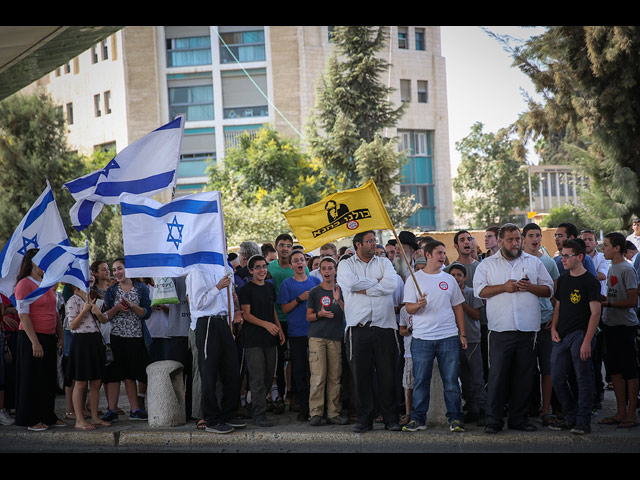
(443,285)
(352,225)
(575,296)
(325,301)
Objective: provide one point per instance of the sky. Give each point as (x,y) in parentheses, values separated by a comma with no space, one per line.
(481,84)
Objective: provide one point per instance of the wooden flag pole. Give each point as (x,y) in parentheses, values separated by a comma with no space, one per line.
(404,255)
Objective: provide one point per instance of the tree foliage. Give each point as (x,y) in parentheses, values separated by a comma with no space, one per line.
(589,79)
(33,149)
(345,132)
(490,182)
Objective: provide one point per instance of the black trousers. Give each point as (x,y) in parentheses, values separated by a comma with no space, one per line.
(36,381)
(372,353)
(218,361)
(512,363)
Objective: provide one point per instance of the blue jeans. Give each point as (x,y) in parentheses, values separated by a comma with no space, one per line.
(565,357)
(423,353)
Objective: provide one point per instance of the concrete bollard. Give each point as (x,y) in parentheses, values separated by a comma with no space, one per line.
(165,394)
(437,414)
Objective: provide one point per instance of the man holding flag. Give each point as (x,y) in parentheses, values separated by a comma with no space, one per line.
(368,283)
(186,237)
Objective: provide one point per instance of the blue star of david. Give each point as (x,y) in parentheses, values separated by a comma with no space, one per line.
(26,242)
(171,238)
(110,165)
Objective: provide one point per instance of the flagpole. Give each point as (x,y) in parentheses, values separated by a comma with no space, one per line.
(404,255)
(230,309)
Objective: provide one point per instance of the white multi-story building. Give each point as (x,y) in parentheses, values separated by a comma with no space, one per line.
(232,79)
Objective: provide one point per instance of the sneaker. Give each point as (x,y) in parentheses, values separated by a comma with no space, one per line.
(111,416)
(5,418)
(236,422)
(393,427)
(456,426)
(581,429)
(220,428)
(338,420)
(562,425)
(315,421)
(413,426)
(138,414)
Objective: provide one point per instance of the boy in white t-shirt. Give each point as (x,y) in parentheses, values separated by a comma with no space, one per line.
(438,333)
(405,326)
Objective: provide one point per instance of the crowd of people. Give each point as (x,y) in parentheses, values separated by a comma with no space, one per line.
(348,336)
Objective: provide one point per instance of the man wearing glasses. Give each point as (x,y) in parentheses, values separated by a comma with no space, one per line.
(567,231)
(368,282)
(511,282)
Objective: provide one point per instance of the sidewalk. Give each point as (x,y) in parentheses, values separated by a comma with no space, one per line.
(291,436)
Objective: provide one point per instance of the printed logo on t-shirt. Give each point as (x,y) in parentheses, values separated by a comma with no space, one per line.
(443,285)
(614,280)
(325,301)
(575,296)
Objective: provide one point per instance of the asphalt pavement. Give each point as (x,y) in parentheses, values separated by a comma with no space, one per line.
(291,436)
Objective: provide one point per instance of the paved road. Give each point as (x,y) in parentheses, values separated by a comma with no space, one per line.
(291,436)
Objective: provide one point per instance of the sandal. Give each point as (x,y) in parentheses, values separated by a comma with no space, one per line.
(201,425)
(627,424)
(404,419)
(70,415)
(549,419)
(85,427)
(609,421)
(38,427)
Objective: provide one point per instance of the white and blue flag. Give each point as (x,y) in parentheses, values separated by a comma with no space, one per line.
(146,167)
(60,263)
(41,225)
(171,239)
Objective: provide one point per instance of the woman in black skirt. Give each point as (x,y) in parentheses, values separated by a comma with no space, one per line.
(128,305)
(86,356)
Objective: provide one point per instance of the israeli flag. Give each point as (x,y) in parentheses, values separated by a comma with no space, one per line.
(60,263)
(41,225)
(146,167)
(171,239)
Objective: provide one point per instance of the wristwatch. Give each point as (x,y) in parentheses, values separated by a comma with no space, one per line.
(298,300)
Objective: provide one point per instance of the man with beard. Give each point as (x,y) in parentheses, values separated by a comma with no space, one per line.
(511,282)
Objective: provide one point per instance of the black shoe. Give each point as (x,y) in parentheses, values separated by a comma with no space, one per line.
(338,420)
(360,428)
(315,421)
(523,427)
(490,429)
(393,427)
(581,429)
(220,428)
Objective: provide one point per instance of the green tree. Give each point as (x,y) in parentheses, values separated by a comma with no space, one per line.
(566,213)
(588,78)
(345,131)
(490,182)
(33,149)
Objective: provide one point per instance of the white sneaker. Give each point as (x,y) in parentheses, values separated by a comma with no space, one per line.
(5,418)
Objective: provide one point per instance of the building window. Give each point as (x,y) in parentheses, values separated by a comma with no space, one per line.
(104,49)
(245,46)
(96,105)
(107,102)
(67,68)
(232,134)
(423,91)
(240,96)
(94,54)
(405,90)
(402,38)
(417,175)
(420,42)
(196,102)
(69,113)
(188,51)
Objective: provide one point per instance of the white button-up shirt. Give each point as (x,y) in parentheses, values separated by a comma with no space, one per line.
(379,279)
(511,311)
(204,297)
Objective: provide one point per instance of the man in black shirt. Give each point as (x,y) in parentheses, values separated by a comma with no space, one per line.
(575,320)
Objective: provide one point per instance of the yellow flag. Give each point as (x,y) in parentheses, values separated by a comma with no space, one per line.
(339,215)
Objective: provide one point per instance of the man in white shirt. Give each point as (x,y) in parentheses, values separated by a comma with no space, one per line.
(511,281)
(368,283)
(437,333)
(217,352)
(635,234)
